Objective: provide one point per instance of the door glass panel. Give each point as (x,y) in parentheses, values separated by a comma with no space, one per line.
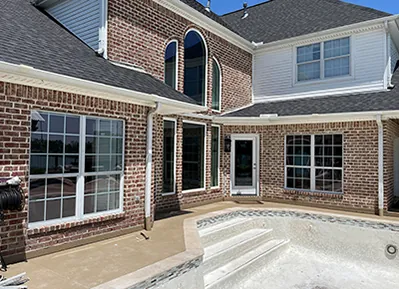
(243,163)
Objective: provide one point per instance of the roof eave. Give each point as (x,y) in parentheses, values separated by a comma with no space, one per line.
(27,75)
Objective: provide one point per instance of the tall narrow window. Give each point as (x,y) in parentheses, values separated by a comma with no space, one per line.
(193,156)
(171,64)
(169,142)
(195,67)
(215,156)
(57,155)
(216,85)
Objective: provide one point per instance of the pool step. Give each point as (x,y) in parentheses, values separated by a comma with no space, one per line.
(229,275)
(225,251)
(222,231)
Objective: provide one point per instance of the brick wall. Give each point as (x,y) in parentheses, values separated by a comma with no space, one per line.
(360,163)
(139,30)
(16,103)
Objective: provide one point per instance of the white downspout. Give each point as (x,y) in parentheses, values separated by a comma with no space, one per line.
(148,167)
(380,166)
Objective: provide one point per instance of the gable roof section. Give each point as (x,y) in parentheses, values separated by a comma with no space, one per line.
(349,103)
(31,38)
(282,19)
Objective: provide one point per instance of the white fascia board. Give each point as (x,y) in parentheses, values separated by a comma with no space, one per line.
(27,75)
(207,23)
(340,31)
(304,119)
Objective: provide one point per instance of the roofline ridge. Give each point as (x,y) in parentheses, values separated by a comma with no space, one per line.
(259,4)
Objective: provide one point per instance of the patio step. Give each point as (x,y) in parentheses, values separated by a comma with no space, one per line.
(225,230)
(227,276)
(229,249)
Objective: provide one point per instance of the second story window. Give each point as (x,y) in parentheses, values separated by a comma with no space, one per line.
(195,67)
(323,60)
(216,85)
(171,64)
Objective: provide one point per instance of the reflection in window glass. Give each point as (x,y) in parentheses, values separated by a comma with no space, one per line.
(171,64)
(193,156)
(215,157)
(216,82)
(169,140)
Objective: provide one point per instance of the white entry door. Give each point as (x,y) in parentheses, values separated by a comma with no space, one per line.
(244,165)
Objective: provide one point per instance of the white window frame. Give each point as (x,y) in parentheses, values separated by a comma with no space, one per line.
(218,170)
(203,188)
(174,157)
(177,62)
(206,62)
(322,60)
(220,85)
(313,166)
(80,176)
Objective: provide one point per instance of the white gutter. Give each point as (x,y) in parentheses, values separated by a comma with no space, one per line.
(148,167)
(380,165)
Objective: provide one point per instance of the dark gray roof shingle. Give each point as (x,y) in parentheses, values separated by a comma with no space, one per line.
(281,19)
(365,102)
(31,38)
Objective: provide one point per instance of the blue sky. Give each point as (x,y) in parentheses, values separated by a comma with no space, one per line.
(225,6)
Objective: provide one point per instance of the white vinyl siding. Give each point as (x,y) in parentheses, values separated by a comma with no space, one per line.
(82,18)
(274,75)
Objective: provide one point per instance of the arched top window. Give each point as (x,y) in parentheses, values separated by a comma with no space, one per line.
(171,64)
(216,85)
(195,67)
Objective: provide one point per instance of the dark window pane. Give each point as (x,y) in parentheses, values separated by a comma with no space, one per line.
(306,161)
(91,127)
(90,185)
(55,164)
(290,172)
(215,157)
(116,163)
(320,185)
(290,183)
(290,161)
(105,127)
(318,139)
(104,163)
(39,121)
(338,139)
(298,161)
(38,143)
(37,189)
(72,144)
(298,139)
(328,174)
(306,140)
(290,140)
(193,156)
(68,207)
(54,188)
(194,67)
(338,175)
(89,204)
(328,139)
(244,163)
(104,145)
(319,162)
(306,150)
(56,144)
(117,145)
(91,145)
(306,184)
(38,164)
(117,128)
(298,150)
(215,86)
(53,209)
(90,164)
(328,185)
(102,203)
(170,64)
(72,125)
(337,151)
(71,164)
(337,186)
(298,173)
(338,162)
(69,187)
(318,150)
(36,211)
(290,150)
(328,162)
(298,183)
(57,123)
(319,174)
(168,157)
(306,173)
(328,151)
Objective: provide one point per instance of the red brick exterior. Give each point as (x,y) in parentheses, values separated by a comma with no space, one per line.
(360,163)
(16,103)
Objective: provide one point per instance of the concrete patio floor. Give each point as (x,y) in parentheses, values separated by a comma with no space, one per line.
(90,265)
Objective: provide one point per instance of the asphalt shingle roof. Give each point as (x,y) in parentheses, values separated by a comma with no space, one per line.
(281,19)
(365,102)
(30,37)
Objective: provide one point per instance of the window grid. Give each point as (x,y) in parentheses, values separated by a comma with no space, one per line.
(321,170)
(325,59)
(70,187)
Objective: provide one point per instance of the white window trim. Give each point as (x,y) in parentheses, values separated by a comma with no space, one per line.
(312,166)
(218,170)
(174,157)
(205,139)
(206,63)
(79,207)
(177,61)
(220,85)
(322,78)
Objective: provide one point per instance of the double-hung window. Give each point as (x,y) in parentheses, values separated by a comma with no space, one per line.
(323,60)
(76,167)
(169,156)
(314,162)
(215,163)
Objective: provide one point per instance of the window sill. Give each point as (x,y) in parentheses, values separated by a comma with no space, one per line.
(74,223)
(194,192)
(334,195)
(168,194)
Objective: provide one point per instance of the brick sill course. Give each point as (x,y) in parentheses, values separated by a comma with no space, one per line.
(69,225)
(314,193)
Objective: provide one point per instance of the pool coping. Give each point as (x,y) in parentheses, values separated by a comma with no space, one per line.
(181,263)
